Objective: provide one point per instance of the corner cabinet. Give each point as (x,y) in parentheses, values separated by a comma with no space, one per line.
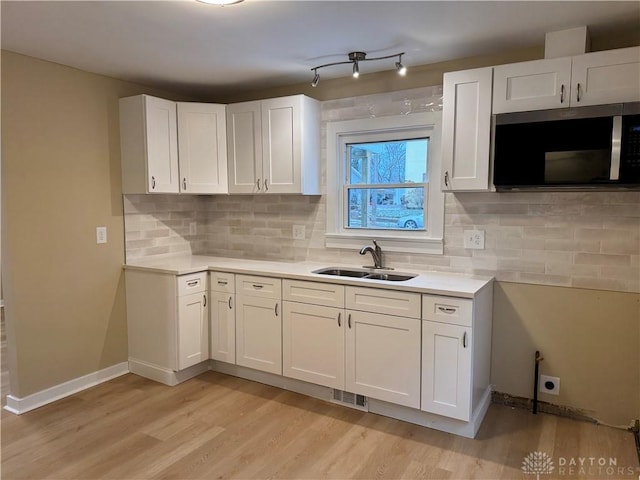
(274,146)
(466,130)
(597,78)
(168,324)
(169,147)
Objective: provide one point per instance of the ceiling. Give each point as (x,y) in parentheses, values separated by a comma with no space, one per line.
(204,50)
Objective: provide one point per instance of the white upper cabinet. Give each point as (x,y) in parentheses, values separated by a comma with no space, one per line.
(170,147)
(274,146)
(597,78)
(606,77)
(148,144)
(202,148)
(466,130)
(536,85)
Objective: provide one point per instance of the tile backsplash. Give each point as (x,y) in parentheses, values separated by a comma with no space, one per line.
(579,239)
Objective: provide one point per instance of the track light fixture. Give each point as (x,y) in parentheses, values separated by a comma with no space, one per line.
(355,58)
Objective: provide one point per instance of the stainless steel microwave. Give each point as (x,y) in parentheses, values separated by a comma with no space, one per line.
(581,148)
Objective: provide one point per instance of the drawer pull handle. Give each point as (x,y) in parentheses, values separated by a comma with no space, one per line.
(205,300)
(153,183)
(230,306)
(562,93)
(221,282)
(193,283)
(255,285)
(447,309)
(464,340)
(184,183)
(258,184)
(349,320)
(578,96)
(266,184)
(276,309)
(339,317)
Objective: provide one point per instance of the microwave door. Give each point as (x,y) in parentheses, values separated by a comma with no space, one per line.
(616,146)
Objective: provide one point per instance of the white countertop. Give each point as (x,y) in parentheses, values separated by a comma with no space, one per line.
(438,283)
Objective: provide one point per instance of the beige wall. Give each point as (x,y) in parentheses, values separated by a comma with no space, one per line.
(64,294)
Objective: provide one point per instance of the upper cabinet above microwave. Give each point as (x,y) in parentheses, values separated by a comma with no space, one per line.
(274,146)
(596,78)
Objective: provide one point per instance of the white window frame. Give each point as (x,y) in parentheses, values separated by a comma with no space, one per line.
(396,127)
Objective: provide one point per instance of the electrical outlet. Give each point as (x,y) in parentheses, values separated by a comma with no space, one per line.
(474,239)
(193,228)
(101,234)
(299,232)
(550,385)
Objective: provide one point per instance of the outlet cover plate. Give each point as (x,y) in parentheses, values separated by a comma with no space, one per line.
(101,234)
(542,385)
(474,239)
(299,232)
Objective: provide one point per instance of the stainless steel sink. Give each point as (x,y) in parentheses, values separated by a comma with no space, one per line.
(391,277)
(341,272)
(345,272)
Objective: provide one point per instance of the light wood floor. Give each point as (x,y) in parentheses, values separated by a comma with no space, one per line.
(216,426)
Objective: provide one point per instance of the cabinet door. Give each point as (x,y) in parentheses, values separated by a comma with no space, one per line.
(193,330)
(162,145)
(202,148)
(223,327)
(535,85)
(259,333)
(313,344)
(244,147)
(281,144)
(383,357)
(466,130)
(606,77)
(446,370)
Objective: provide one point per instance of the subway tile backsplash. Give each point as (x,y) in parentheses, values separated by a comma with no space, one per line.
(579,239)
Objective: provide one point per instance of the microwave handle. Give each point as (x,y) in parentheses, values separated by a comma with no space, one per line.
(616,144)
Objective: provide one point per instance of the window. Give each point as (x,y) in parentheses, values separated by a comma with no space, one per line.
(380,183)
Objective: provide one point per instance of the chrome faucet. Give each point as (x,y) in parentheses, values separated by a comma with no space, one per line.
(376,253)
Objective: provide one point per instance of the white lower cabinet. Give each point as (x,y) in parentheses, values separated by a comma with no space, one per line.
(222,317)
(364,352)
(193,329)
(168,322)
(313,344)
(383,356)
(259,323)
(456,348)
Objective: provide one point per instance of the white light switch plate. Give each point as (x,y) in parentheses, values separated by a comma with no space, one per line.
(101,234)
(474,239)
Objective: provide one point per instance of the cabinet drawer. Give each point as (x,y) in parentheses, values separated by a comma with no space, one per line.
(258,286)
(192,283)
(222,282)
(313,292)
(457,311)
(383,301)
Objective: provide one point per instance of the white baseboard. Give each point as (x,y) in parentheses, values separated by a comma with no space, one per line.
(165,375)
(30,402)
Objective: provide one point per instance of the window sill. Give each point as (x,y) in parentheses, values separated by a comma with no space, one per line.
(389,243)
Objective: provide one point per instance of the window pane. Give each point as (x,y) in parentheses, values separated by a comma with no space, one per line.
(402,161)
(386,208)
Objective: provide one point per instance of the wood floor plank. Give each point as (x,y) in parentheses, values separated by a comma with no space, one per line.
(220,427)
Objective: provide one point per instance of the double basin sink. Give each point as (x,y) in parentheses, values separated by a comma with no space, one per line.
(366,274)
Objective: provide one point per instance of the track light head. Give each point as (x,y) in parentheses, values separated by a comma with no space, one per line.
(402,70)
(356,69)
(316,78)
